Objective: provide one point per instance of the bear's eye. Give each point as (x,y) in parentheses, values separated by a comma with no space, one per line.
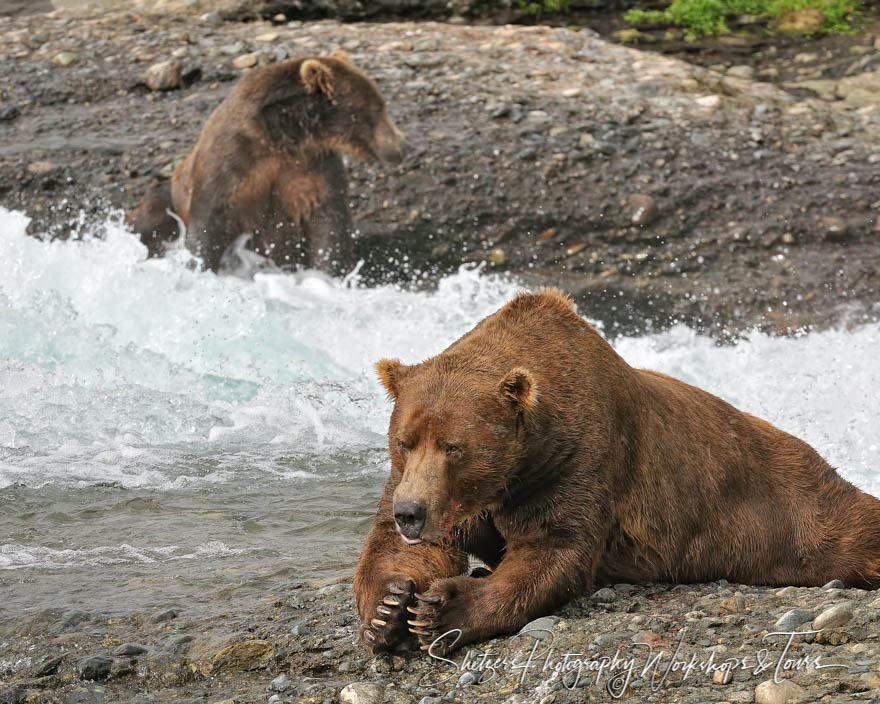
(453,450)
(403,447)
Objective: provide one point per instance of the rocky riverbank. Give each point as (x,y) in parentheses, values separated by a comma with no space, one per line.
(684,644)
(653,189)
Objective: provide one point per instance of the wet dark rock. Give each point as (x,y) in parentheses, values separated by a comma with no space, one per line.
(14,695)
(96,667)
(69,620)
(527,154)
(177,643)
(49,666)
(166,615)
(85,696)
(9,112)
(129,649)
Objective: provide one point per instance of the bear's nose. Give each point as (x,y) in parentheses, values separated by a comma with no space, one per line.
(410,518)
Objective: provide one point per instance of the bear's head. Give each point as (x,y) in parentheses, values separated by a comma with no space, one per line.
(457,434)
(332,105)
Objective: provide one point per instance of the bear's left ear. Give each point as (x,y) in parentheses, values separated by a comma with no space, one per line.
(340,55)
(391,371)
(316,76)
(519,386)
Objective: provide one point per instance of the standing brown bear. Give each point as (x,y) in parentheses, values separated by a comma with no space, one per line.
(530,444)
(269,162)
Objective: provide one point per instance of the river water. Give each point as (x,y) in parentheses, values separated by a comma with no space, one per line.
(169,435)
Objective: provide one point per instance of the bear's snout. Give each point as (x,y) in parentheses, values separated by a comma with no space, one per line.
(410,518)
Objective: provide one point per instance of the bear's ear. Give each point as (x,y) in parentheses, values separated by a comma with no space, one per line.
(391,373)
(316,76)
(519,386)
(340,55)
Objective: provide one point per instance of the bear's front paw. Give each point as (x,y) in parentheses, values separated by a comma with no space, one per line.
(441,617)
(388,627)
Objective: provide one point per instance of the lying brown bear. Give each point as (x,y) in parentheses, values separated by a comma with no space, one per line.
(269,162)
(530,444)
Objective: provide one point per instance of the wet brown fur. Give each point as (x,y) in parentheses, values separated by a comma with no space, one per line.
(589,472)
(269,161)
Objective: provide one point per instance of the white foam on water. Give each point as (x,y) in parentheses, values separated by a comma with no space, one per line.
(14,556)
(118,368)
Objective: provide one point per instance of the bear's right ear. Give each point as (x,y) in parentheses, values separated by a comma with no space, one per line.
(340,55)
(391,372)
(316,76)
(519,387)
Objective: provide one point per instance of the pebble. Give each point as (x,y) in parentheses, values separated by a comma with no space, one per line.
(771,693)
(790,620)
(647,637)
(175,642)
(268,37)
(276,699)
(722,676)
(740,71)
(130,649)
(835,228)
(736,604)
(361,693)
(786,591)
(605,595)
(527,154)
(540,628)
(64,58)
(573,248)
(835,616)
(644,208)
(164,75)
(163,616)
(708,102)
(212,18)
(41,168)
(468,678)
(835,583)
(9,112)
(245,655)
(96,667)
(282,683)
(49,666)
(333,588)
(245,61)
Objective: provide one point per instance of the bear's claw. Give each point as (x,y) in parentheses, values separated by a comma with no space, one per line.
(426,624)
(383,633)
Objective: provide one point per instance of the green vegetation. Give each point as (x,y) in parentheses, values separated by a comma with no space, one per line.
(708,17)
(544,6)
